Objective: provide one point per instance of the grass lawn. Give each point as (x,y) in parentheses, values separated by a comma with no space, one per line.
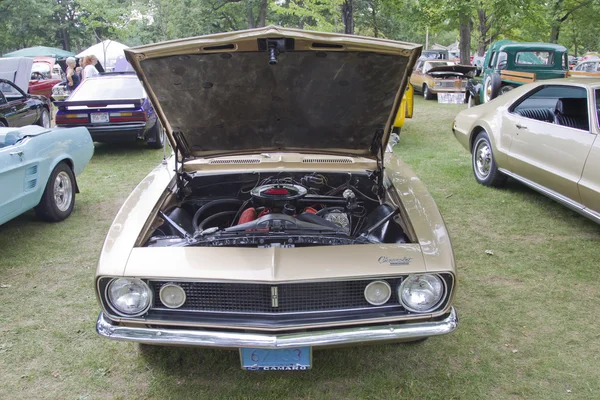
(528,312)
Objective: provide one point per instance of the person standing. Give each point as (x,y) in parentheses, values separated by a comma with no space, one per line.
(73,78)
(89,69)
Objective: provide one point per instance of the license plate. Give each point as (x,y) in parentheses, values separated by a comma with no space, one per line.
(292,359)
(451,98)
(99,118)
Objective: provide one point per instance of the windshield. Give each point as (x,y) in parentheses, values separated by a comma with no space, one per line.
(41,67)
(104,88)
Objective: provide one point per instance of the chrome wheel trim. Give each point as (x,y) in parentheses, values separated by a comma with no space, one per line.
(45,119)
(63,193)
(482,159)
(161,134)
(487,89)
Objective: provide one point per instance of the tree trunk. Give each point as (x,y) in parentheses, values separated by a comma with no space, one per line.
(555,32)
(483,27)
(348,16)
(66,42)
(250,15)
(374,16)
(262,15)
(465,38)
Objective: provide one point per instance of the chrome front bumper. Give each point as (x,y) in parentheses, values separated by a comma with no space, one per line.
(330,337)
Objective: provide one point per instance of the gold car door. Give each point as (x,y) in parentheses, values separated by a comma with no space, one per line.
(589,185)
(544,152)
(417,77)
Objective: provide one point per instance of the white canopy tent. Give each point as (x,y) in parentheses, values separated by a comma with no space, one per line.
(107,52)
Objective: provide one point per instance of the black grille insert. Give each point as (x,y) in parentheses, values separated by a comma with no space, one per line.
(276,298)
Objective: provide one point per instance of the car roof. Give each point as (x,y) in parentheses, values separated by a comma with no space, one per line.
(592,82)
(532,46)
(113,75)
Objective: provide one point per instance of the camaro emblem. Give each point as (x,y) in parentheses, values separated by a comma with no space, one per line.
(274,297)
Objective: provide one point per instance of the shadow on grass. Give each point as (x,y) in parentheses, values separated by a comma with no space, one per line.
(121,148)
(187,370)
(529,195)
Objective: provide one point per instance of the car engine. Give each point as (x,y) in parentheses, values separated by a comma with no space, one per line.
(278,210)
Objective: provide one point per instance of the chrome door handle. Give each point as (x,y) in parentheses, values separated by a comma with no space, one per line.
(519,126)
(17,153)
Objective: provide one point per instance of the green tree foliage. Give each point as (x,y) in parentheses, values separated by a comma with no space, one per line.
(76,24)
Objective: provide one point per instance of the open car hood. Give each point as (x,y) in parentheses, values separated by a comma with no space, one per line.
(463,69)
(276,89)
(17,70)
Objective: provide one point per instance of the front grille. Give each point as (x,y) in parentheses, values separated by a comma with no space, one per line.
(275,298)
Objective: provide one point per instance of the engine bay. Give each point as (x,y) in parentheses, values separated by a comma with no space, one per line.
(286,209)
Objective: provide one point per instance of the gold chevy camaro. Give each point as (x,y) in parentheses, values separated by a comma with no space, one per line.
(545,135)
(283,222)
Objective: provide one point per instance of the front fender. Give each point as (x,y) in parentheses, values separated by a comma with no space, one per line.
(131,219)
(422,212)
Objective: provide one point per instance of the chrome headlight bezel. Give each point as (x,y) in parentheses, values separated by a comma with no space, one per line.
(441,300)
(109,301)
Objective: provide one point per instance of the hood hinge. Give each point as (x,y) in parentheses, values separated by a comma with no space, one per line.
(182,178)
(379,150)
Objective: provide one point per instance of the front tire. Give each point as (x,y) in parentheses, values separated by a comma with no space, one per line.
(44,120)
(58,199)
(484,165)
(427,93)
(157,133)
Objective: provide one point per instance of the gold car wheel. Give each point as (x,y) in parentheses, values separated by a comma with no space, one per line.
(484,166)
(482,159)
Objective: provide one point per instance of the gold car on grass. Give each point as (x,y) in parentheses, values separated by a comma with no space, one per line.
(284,222)
(545,135)
(441,77)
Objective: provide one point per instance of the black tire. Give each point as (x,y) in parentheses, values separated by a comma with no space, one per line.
(505,89)
(483,162)
(417,341)
(58,199)
(491,87)
(156,137)
(2,124)
(44,120)
(427,92)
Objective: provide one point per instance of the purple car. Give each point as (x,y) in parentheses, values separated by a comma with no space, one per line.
(114,108)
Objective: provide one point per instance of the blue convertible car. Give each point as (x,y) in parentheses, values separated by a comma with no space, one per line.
(38,169)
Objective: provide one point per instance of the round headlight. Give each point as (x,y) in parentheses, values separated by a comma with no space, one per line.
(378,292)
(421,293)
(129,297)
(172,295)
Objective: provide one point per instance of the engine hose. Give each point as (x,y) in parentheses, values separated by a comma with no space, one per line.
(211,204)
(213,217)
(328,209)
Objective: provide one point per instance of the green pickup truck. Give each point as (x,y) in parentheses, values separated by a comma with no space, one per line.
(509,64)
